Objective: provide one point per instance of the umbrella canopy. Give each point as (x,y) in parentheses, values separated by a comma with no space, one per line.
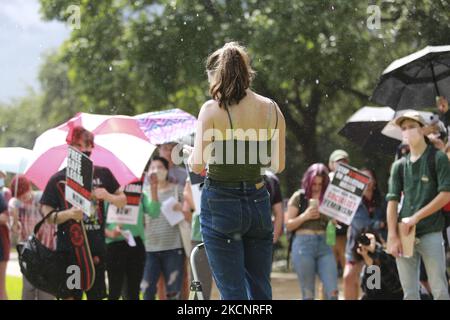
(413,82)
(14,160)
(393,131)
(364,129)
(120,145)
(167,125)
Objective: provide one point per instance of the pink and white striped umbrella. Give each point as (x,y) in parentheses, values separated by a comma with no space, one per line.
(120,145)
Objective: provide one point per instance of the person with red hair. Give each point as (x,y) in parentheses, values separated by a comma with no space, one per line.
(105,188)
(25,210)
(311,254)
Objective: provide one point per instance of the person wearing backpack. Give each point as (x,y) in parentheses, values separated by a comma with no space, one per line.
(311,254)
(24,207)
(424,194)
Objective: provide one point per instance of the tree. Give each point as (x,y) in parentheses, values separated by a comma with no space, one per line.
(317,59)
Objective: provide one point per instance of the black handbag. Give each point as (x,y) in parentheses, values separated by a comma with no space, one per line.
(41,266)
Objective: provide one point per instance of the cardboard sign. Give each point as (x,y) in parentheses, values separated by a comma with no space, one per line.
(79,174)
(344,194)
(130,213)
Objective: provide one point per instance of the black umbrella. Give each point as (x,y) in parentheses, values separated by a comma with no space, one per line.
(413,82)
(364,129)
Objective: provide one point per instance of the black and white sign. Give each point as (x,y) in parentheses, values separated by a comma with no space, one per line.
(79,173)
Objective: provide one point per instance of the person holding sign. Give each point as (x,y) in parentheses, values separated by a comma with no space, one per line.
(105,188)
(311,254)
(164,246)
(426,189)
(125,240)
(370,215)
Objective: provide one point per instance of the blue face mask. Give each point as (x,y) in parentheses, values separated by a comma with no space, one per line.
(2,182)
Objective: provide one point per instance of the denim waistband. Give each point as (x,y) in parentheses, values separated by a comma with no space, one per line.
(235,185)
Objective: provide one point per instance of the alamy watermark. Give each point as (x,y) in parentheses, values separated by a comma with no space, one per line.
(374,280)
(74,277)
(74,16)
(239,146)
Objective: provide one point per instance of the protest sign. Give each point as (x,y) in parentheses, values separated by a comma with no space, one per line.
(344,194)
(79,173)
(128,214)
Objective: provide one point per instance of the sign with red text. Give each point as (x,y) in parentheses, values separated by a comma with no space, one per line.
(79,173)
(130,213)
(344,194)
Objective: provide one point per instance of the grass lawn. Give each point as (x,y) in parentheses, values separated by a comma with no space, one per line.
(14,287)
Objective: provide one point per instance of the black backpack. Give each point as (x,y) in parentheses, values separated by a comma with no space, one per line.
(42,267)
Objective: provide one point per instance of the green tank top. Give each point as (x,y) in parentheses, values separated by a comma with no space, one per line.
(235,160)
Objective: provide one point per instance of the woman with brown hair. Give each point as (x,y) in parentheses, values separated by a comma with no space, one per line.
(239,134)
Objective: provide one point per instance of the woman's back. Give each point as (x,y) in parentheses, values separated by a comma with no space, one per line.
(242,138)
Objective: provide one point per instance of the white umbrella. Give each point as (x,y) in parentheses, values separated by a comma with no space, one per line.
(393,131)
(14,160)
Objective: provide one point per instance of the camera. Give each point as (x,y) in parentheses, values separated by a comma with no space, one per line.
(363,240)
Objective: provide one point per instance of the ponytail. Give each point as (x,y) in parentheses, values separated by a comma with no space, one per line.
(229,68)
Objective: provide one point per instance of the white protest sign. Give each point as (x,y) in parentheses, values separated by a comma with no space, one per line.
(344,194)
(130,213)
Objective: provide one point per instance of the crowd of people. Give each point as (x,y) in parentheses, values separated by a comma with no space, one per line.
(237,212)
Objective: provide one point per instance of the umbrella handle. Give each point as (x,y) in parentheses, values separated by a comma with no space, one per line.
(434,79)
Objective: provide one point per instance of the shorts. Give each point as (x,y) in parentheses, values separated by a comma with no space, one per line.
(98,290)
(5,244)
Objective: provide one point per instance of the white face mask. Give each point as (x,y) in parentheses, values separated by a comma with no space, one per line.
(2,182)
(160,174)
(411,136)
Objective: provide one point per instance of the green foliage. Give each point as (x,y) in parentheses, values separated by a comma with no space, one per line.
(317,59)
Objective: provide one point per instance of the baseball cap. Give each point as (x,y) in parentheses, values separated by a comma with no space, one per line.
(411,115)
(337,155)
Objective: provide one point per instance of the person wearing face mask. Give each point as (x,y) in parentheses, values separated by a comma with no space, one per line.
(424,195)
(165,253)
(105,189)
(124,261)
(24,208)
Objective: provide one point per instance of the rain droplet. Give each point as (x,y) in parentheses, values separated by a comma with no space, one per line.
(332,8)
(317,81)
(110,68)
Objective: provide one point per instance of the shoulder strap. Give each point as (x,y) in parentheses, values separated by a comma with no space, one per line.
(432,163)
(302,203)
(229,118)
(39,224)
(276,114)
(401,168)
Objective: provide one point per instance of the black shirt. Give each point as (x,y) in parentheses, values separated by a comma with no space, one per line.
(53,196)
(273,186)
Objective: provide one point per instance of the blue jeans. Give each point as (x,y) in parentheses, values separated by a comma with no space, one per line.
(237,231)
(170,263)
(310,256)
(431,248)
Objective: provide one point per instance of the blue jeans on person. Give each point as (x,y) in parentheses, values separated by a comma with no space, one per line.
(430,247)
(237,230)
(170,263)
(310,256)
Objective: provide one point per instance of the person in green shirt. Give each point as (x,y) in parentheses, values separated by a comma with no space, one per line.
(424,195)
(125,257)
